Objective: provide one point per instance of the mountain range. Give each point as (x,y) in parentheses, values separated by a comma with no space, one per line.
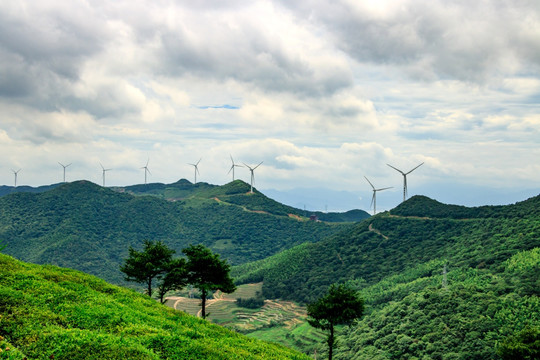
(87,227)
(439,281)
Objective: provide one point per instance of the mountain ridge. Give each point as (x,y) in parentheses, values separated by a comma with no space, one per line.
(88,227)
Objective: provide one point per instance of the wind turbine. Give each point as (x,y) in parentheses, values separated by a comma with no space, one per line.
(405,178)
(252,174)
(374,197)
(104,171)
(15,173)
(64,166)
(145,167)
(196,166)
(233,166)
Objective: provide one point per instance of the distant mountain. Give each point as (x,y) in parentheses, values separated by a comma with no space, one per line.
(87,227)
(234,192)
(48,312)
(6,190)
(440,281)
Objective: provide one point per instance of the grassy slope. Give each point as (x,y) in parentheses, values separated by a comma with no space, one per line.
(47,312)
(87,227)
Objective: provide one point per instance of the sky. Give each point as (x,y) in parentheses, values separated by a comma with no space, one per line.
(324,93)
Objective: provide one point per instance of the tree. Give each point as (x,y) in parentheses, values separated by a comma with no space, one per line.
(175,277)
(525,345)
(340,306)
(144,266)
(207,272)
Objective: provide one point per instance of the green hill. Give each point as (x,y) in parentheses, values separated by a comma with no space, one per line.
(397,259)
(87,227)
(235,193)
(48,312)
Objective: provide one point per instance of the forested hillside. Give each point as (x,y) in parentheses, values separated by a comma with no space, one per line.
(87,227)
(440,282)
(48,312)
(234,193)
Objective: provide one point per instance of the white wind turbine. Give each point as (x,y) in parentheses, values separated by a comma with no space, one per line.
(374,197)
(405,178)
(252,169)
(104,171)
(64,166)
(15,173)
(145,167)
(232,167)
(196,166)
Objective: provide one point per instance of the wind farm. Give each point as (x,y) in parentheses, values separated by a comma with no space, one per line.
(232,170)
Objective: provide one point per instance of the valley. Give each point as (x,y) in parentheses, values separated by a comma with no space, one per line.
(438,281)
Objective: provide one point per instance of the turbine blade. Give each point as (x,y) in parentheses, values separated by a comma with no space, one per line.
(258,165)
(414,169)
(395,169)
(370,183)
(372,200)
(386,188)
(249,167)
(102,166)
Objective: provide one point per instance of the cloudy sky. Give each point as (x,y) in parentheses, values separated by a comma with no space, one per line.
(324,92)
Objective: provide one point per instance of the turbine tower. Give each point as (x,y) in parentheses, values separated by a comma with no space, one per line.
(374,197)
(64,166)
(15,173)
(145,167)
(252,174)
(104,171)
(232,167)
(405,178)
(196,166)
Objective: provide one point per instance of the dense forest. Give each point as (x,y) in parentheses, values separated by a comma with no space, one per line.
(48,312)
(90,228)
(439,281)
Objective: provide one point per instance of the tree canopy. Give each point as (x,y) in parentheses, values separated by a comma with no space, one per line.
(341,305)
(207,272)
(152,262)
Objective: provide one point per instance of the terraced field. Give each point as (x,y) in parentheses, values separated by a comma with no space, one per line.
(278,321)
